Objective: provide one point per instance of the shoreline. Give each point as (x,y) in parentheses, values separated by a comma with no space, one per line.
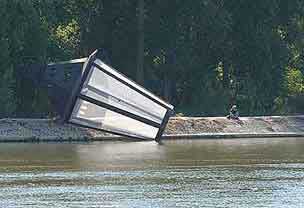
(165,138)
(45,130)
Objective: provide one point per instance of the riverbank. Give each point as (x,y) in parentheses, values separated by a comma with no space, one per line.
(246,127)
(45,130)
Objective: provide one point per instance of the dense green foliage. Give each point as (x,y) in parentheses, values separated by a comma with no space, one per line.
(201,55)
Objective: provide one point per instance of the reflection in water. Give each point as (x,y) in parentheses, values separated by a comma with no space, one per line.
(119,155)
(183,173)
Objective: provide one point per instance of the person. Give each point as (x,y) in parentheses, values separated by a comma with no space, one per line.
(234,113)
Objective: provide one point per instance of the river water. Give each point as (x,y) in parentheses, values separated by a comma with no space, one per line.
(182,173)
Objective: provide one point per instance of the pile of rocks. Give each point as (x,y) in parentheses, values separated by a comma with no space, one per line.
(44,129)
(269,124)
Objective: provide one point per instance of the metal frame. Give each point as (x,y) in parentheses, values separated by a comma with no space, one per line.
(163,125)
(76,93)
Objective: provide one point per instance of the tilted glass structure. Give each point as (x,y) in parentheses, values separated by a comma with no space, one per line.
(106,100)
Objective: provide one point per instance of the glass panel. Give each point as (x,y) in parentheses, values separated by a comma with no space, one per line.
(105,88)
(91,115)
(117,74)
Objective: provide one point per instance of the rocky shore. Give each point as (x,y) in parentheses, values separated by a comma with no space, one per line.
(221,127)
(21,130)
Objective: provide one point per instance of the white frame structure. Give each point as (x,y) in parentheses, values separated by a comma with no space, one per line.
(106,100)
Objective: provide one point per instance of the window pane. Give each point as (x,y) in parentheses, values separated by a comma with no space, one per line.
(112,71)
(105,88)
(91,115)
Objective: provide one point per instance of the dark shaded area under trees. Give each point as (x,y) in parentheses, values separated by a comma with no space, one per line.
(201,55)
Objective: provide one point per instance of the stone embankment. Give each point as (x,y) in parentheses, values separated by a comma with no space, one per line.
(34,130)
(221,127)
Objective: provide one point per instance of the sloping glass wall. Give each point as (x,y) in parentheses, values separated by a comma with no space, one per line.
(107,100)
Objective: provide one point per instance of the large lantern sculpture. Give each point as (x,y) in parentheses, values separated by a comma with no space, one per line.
(104,99)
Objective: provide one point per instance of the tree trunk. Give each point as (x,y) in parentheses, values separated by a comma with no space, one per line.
(109,23)
(167,89)
(225,75)
(140,43)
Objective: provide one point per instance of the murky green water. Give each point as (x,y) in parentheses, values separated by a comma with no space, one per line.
(197,173)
